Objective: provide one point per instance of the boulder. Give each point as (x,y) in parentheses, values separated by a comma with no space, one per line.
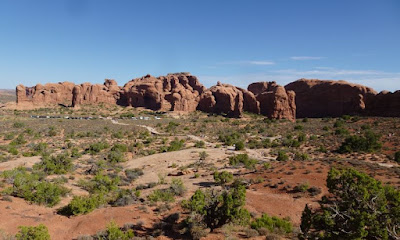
(174,92)
(228,99)
(325,98)
(275,102)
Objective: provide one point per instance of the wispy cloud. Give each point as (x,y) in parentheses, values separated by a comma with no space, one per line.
(302,58)
(262,62)
(379,80)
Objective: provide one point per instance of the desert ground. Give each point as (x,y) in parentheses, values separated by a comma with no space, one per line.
(142,171)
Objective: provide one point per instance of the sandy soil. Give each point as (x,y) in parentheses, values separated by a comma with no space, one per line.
(18,212)
(23,161)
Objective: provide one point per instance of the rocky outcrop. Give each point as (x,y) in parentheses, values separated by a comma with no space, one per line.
(385,104)
(183,92)
(323,98)
(275,102)
(229,100)
(48,94)
(87,93)
(174,92)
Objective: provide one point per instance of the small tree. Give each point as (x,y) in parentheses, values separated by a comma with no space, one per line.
(358,207)
(223,177)
(218,208)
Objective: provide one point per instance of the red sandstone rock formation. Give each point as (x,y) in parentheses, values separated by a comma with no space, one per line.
(87,93)
(275,102)
(322,98)
(385,104)
(49,94)
(229,100)
(174,92)
(183,92)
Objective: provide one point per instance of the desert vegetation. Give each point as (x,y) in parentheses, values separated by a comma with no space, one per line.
(198,175)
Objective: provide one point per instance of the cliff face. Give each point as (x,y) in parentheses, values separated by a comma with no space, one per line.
(174,92)
(229,100)
(184,92)
(275,102)
(48,94)
(320,98)
(87,93)
(385,104)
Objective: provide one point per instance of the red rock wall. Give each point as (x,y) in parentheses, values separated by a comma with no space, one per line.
(321,98)
(275,102)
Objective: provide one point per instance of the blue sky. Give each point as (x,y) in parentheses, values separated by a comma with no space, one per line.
(236,42)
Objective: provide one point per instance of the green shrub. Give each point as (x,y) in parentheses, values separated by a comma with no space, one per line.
(33,233)
(101,184)
(33,188)
(20,140)
(223,177)
(13,150)
(164,195)
(239,145)
(242,159)
(133,174)
(368,143)
(116,157)
(199,144)
(301,156)
(177,187)
(9,136)
(230,139)
(18,125)
(118,135)
(339,123)
(397,156)
(176,145)
(288,142)
(113,232)
(127,115)
(273,224)
(172,126)
(322,149)
(40,148)
(83,204)
(303,187)
(97,147)
(358,207)
(119,147)
(218,208)
(341,131)
(282,156)
(59,164)
(302,137)
(203,155)
(298,127)
(52,131)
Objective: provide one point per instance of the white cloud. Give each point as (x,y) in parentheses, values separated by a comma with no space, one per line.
(263,62)
(378,80)
(301,58)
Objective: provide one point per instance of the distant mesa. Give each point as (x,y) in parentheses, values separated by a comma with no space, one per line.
(183,92)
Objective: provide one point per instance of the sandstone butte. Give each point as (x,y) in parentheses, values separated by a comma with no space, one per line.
(184,92)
